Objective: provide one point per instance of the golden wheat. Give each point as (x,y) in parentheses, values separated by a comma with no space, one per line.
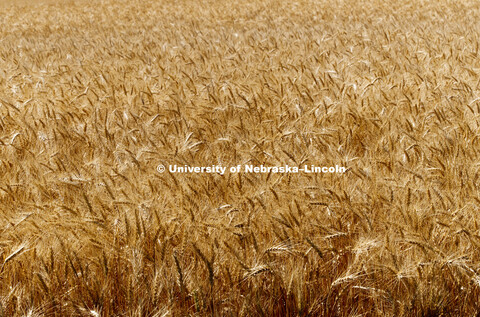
(96,95)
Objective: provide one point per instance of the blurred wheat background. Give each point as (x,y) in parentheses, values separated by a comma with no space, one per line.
(95,94)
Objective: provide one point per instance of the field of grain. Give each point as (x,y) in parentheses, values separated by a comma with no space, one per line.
(94,95)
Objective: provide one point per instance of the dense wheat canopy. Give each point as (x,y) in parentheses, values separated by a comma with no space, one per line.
(94,95)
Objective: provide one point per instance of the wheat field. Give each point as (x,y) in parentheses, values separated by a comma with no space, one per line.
(95,95)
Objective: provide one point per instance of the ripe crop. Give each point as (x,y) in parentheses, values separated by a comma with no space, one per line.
(96,95)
